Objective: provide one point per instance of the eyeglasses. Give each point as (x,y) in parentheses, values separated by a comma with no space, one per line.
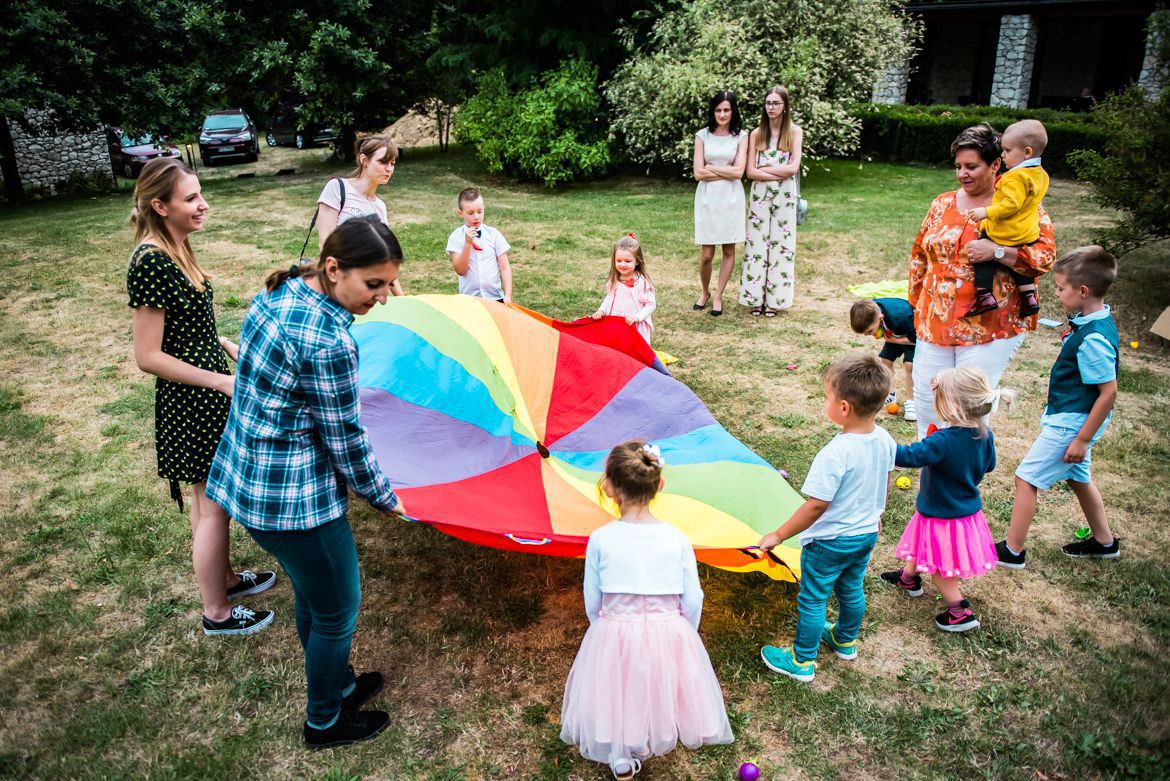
(773,103)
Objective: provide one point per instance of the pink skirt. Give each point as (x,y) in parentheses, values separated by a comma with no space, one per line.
(642,683)
(952,547)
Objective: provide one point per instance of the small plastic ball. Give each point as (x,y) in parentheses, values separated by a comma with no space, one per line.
(892,408)
(903,482)
(792,367)
(1134,345)
(749,772)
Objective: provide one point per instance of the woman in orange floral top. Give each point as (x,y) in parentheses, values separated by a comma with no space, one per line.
(942,284)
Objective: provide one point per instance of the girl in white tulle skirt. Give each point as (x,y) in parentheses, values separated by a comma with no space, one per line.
(642,682)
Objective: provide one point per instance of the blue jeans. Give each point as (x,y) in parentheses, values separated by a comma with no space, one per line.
(321,563)
(835,566)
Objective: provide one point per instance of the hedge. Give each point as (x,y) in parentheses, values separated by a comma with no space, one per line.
(923,134)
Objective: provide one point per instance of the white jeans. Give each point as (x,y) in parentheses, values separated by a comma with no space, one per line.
(930,359)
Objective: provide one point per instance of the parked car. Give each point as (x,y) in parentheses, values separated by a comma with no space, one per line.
(228,134)
(283,129)
(129,154)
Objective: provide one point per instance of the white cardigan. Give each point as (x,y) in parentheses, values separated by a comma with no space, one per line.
(642,558)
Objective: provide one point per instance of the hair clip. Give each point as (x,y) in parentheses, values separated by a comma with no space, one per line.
(656,452)
(631,235)
(993,399)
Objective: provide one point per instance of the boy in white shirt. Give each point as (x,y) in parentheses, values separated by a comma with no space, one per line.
(838,523)
(479,253)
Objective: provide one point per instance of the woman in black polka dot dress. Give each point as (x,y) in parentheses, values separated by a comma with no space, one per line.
(175,340)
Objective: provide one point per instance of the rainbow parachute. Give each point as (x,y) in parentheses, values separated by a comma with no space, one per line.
(494,426)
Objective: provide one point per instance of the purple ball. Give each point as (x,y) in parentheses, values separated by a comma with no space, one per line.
(784,474)
(749,772)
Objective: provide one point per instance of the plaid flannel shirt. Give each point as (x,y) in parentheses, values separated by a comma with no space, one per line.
(293,439)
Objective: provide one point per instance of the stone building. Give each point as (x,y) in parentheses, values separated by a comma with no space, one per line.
(35,161)
(1041,54)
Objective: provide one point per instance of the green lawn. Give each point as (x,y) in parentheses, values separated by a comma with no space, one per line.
(105,674)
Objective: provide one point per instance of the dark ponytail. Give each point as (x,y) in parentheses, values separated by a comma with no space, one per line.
(356,243)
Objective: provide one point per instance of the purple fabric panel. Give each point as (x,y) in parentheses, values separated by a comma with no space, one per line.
(417,446)
(651,405)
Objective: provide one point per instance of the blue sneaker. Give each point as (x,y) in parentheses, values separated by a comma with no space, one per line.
(846,651)
(781,660)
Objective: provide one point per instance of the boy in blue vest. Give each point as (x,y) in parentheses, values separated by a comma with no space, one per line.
(1081,391)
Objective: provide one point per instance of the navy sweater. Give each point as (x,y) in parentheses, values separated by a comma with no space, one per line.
(953,461)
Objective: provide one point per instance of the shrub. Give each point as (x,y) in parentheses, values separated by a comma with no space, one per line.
(923,134)
(552,132)
(1130,168)
(827,53)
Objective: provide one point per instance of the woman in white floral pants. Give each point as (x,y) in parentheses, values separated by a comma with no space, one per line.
(769,256)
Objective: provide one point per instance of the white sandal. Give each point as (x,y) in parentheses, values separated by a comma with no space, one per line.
(624,769)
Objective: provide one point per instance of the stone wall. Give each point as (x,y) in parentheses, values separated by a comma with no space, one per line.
(46,162)
(890,87)
(1153,73)
(1015,57)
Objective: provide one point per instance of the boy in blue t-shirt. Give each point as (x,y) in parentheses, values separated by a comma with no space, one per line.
(1081,391)
(891,319)
(838,524)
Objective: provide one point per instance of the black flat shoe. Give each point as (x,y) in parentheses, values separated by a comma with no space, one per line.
(697,306)
(716,312)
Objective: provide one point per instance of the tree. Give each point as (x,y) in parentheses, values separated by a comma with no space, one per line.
(551,131)
(532,37)
(827,52)
(162,65)
(1131,171)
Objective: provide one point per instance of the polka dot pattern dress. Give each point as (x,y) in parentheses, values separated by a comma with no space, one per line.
(189,420)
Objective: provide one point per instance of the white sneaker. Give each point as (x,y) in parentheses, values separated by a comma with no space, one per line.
(892,398)
(908,411)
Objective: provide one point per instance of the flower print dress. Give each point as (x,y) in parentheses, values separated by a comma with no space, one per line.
(769,256)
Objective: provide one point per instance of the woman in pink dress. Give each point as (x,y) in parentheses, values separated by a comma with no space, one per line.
(642,682)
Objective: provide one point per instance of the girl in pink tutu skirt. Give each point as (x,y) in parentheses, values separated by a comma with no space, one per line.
(948,536)
(642,681)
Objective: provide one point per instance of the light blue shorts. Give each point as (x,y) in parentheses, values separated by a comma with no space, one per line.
(1044,465)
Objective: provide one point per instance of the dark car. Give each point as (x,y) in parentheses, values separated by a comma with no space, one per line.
(283,129)
(228,135)
(128,154)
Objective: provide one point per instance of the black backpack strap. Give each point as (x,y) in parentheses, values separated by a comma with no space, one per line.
(313,222)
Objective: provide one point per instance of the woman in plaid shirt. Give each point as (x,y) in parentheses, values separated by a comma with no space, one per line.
(292,446)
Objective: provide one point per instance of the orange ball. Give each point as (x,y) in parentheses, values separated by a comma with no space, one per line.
(892,408)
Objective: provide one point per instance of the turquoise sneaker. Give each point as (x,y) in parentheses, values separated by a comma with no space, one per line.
(781,660)
(846,651)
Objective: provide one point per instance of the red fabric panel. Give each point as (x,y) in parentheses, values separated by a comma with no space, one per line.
(587,378)
(609,332)
(506,500)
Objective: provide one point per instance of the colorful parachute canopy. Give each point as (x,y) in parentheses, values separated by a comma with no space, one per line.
(494,427)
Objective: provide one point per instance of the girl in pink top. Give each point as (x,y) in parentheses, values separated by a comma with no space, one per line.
(629,293)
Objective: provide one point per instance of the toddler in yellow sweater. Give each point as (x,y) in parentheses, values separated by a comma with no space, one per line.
(1013,218)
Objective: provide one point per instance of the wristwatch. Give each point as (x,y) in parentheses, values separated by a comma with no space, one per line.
(999,252)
